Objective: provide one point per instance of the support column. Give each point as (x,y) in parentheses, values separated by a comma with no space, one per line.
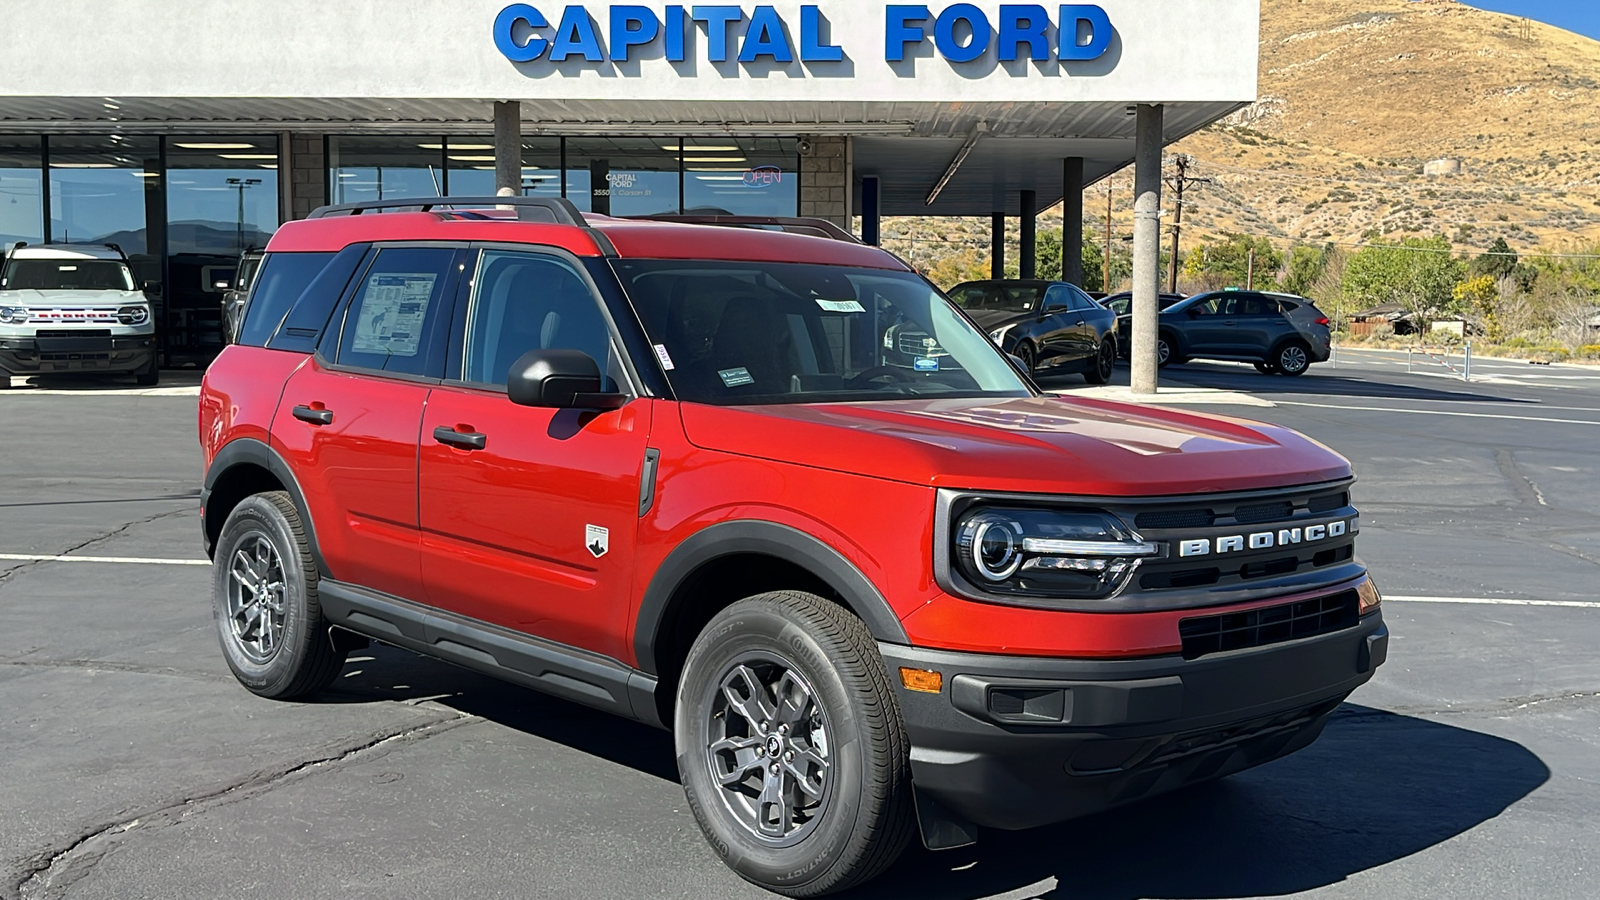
(507,149)
(1028,265)
(825,185)
(1072,221)
(1147,247)
(870,215)
(997,245)
(306,170)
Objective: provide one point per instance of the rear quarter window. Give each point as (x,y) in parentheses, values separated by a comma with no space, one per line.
(283,278)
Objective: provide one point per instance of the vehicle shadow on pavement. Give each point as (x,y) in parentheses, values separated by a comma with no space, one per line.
(383,673)
(1329,385)
(1376,787)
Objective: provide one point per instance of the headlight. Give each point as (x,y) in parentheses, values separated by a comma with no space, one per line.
(999,334)
(13,314)
(1047,553)
(133,315)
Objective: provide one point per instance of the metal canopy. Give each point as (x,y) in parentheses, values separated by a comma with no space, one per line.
(907,145)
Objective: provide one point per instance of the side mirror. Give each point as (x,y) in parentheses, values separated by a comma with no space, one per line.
(1194,313)
(560,379)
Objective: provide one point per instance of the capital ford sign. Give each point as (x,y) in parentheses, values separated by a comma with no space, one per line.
(960,33)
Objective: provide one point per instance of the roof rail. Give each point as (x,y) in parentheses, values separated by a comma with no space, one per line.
(550,210)
(792,224)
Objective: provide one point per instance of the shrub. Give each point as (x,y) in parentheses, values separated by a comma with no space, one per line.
(1589,351)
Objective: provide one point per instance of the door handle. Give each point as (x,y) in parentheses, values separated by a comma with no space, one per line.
(1230,324)
(314,416)
(464,440)
(1079,322)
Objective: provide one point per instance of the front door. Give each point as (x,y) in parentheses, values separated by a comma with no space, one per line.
(530,523)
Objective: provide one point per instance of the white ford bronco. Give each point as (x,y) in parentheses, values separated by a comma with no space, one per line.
(74,308)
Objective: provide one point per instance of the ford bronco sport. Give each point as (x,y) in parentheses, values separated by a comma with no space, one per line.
(665,470)
(74,308)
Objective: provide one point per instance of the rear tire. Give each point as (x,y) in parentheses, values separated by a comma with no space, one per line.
(1292,359)
(265,604)
(793,674)
(1104,363)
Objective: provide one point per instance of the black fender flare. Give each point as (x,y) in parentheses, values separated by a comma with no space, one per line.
(253,452)
(771,539)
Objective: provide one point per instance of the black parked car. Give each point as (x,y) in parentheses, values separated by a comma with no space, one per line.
(1052,326)
(233,301)
(1280,333)
(1122,305)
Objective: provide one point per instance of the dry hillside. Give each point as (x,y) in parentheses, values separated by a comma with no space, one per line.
(1356,97)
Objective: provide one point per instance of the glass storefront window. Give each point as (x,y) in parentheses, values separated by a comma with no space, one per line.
(21,191)
(222,199)
(101,191)
(623,176)
(471,172)
(741,176)
(364,169)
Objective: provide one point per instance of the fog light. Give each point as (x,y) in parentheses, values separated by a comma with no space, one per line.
(1370,597)
(921,680)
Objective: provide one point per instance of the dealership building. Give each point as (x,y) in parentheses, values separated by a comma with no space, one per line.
(187,130)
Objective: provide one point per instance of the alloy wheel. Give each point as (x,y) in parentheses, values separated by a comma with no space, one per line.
(1108,359)
(769,749)
(1025,353)
(1292,359)
(256,587)
(1163,352)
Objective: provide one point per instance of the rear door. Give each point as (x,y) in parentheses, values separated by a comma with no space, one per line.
(1258,324)
(530,523)
(348,419)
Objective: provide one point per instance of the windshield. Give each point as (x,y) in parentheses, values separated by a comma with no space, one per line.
(988,296)
(67,275)
(746,333)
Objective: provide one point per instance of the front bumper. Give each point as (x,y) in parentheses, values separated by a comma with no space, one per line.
(99,353)
(1019,742)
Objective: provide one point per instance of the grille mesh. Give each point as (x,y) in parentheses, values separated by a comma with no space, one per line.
(1272,625)
(1177,518)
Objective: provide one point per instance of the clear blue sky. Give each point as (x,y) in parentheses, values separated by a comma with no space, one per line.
(1581,16)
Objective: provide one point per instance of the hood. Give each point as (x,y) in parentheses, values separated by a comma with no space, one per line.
(71,299)
(1049,445)
(990,319)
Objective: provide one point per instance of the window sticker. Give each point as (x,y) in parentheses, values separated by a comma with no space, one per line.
(393,307)
(841,306)
(736,377)
(927,365)
(665,357)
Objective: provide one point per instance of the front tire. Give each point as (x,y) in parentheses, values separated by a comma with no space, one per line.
(1105,362)
(265,603)
(1028,356)
(1266,368)
(1166,354)
(793,676)
(149,376)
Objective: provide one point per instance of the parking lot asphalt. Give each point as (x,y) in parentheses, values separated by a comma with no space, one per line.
(131,764)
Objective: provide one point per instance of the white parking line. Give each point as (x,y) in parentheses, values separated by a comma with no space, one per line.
(1436,412)
(1494,601)
(116,560)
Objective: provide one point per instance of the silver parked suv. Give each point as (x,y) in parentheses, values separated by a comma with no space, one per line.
(1281,333)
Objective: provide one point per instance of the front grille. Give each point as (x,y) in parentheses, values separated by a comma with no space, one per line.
(74,333)
(106,316)
(1264,512)
(1272,625)
(915,343)
(1329,502)
(1183,518)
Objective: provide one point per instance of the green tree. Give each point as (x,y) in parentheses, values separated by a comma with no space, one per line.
(1498,262)
(1305,267)
(1418,273)
(1226,261)
(1048,255)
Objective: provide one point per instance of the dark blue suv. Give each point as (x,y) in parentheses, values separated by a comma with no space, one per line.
(1281,333)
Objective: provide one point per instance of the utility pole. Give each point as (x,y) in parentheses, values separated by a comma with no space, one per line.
(1105,281)
(1250,272)
(1178,182)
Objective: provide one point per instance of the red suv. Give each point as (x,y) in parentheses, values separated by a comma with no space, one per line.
(671,471)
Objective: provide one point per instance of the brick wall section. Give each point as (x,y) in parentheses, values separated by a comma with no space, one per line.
(825,180)
(308,169)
